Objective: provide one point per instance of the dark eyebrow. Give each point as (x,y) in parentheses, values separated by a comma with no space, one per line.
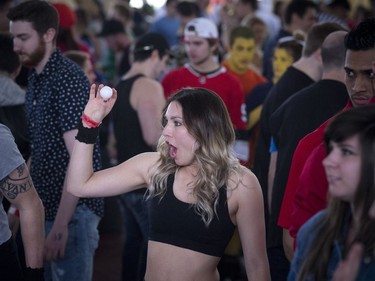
(20,35)
(365,71)
(344,144)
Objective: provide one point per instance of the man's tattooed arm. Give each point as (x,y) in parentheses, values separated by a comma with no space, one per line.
(16,182)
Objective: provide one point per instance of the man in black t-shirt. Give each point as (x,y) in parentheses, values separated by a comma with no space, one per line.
(304,72)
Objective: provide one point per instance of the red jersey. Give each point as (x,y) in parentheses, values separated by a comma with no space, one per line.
(224,84)
(249,79)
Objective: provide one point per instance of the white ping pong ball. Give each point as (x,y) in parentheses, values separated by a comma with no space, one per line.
(106,92)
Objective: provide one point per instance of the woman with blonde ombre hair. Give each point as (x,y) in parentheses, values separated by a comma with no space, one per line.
(198,191)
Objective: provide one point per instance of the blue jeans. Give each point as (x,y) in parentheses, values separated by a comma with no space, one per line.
(136,222)
(83,239)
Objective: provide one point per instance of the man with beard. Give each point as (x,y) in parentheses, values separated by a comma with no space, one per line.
(201,40)
(55,100)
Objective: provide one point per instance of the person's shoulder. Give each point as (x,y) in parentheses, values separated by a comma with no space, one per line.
(68,65)
(255,74)
(4,131)
(176,71)
(244,189)
(316,135)
(312,224)
(147,80)
(246,178)
(225,73)
(229,79)
(291,70)
(147,85)
(293,104)
(72,74)
(174,75)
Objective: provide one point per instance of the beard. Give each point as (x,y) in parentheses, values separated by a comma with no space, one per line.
(34,58)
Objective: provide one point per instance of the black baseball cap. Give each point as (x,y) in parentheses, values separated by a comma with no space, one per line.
(151,41)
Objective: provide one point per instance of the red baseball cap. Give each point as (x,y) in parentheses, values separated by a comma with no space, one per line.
(67,16)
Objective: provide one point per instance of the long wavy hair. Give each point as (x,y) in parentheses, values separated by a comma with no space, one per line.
(358,121)
(207,120)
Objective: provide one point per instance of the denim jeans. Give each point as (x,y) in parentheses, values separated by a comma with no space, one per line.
(83,239)
(136,222)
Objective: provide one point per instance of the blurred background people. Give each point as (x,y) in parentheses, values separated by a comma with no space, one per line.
(67,38)
(169,24)
(119,43)
(287,51)
(84,61)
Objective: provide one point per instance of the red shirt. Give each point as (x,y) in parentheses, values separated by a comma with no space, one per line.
(249,79)
(311,194)
(300,156)
(224,84)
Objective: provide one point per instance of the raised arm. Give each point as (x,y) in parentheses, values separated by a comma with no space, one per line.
(130,175)
(251,226)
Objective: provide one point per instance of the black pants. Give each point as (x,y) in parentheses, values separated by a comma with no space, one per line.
(10,267)
(279,264)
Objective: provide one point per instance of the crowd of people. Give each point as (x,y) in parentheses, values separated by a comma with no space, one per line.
(239,141)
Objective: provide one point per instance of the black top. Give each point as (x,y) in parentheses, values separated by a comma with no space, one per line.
(127,128)
(175,222)
(301,114)
(291,82)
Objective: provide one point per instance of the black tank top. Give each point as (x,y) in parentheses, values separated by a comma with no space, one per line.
(175,222)
(126,126)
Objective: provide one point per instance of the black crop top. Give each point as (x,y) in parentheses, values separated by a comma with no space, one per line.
(175,222)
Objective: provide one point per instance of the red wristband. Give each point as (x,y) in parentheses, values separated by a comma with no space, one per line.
(13,211)
(90,122)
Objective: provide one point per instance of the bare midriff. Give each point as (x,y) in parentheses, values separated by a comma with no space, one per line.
(170,263)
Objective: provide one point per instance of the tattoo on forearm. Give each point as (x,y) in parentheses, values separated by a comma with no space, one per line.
(11,186)
(21,169)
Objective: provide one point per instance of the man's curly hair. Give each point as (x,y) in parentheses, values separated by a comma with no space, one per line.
(362,36)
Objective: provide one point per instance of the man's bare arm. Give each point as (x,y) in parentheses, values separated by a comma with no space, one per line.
(19,189)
